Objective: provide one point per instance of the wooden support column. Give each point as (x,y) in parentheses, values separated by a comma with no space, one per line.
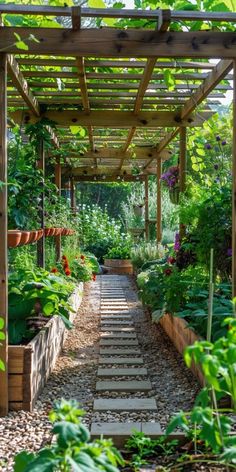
(58,184)
(234,190)
(3,236)
(146,208)
(41,242)
(182,171)
(159,218)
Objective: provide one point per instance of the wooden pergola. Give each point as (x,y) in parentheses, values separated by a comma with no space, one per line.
(111,81)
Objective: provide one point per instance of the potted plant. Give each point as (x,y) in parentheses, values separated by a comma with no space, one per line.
(138,208)
(171,181)
(117,260)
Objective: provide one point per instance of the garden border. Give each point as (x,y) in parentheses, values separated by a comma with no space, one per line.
(182,336)
(31,365)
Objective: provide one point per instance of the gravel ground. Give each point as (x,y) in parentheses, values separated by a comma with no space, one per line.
(74,376)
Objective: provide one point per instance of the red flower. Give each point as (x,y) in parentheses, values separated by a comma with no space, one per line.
(54,270)
(82,257)
(64,258)
(94,277)
(168,271)
(171,260)
(67,271)
(66,265)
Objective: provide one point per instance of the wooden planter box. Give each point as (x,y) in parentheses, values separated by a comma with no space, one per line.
(31,365)
(119,266)
(181,336)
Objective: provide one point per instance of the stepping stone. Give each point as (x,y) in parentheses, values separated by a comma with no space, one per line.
(119,342)
(114,311)
(112,297)
(119,371)
(151,429)
(117,430)
(117,323)
(118,329)
(125,404)
(123,385)
(119,335)
(120,360)
(119,352)
(116,317)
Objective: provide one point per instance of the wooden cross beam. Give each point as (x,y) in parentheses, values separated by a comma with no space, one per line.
(113,42)
(213,78)
(21,85)
(114,119)
(84,95)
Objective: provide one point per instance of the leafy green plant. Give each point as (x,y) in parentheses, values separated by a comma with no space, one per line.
(144,448)
(120,251)
(206,422)
(73,449)
(36,293)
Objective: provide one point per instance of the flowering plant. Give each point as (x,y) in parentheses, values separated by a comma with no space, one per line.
(171,177)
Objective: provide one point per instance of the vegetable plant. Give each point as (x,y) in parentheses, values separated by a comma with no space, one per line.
(72,449)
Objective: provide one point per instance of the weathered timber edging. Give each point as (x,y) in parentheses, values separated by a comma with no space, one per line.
(181,336)
(31,365)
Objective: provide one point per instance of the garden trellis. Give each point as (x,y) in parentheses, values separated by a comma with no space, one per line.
(111,82)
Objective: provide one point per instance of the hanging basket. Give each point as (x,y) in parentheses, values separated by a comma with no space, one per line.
(174,195)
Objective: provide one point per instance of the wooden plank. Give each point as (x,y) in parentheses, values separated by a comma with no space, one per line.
(146,208)
(76,17)
(16,359)
(3,237)
(126,64)
(15,381)
(234,189)
(114,119)
(46,10)
(21,85)
(113,42)
(41,242)
(159,202)
(57,239)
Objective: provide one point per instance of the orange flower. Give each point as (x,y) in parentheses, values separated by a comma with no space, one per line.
(54,270)
(67,272)
(94,277)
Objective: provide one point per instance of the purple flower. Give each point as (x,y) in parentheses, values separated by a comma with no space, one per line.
(177,242)
(218,138)
(223,143)
(229,252)
(208,146)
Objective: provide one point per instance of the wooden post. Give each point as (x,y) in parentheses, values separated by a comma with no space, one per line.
(3,236)
(41,242)
(234,189)
(58,184)
(159,218)
(146,208)
(182,171)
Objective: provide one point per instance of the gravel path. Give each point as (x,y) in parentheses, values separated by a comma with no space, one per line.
(74,376)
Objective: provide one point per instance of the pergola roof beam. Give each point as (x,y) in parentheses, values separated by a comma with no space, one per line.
(214,77)
(112,42)
(21,85)
(180,15)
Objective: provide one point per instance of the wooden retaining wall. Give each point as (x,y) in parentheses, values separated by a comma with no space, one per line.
(31,365)
(181,336)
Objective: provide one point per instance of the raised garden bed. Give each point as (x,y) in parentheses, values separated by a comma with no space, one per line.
(119,266)
(31,365)
(181,336)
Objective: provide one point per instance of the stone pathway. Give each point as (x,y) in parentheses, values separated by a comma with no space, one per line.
(117,372)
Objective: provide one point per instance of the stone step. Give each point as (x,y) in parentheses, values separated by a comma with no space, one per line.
(119,352)
(120,360)
(119,342)
(120,371)
(123,385)
(119,329)
(115,323)
(125,404)
(119,335)
(120,432)
(116,317)
(115,298)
